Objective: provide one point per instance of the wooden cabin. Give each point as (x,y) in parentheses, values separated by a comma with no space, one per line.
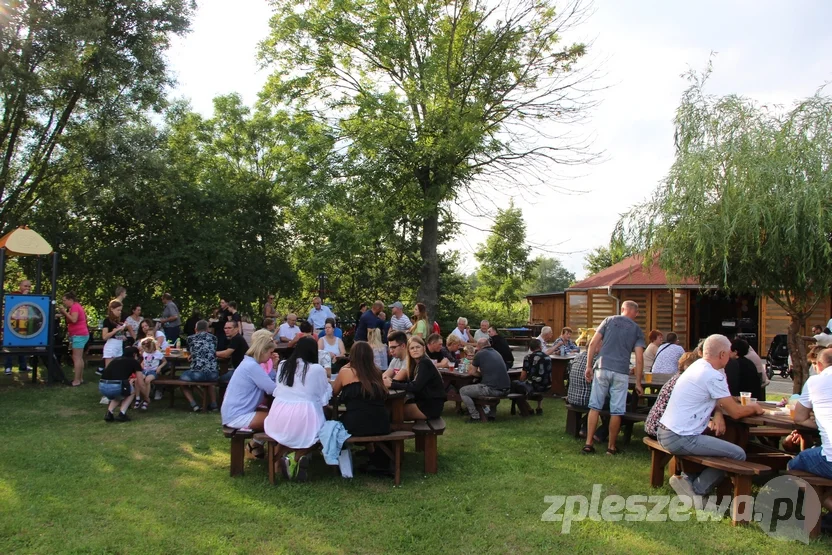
(548,309)
(686,308)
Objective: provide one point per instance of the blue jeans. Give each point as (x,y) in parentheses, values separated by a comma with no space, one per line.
(607,382)
(197,376)
(705,446)
(813,462)
(111,389)
(21,362)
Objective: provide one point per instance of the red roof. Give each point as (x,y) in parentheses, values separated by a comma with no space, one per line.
(631,272)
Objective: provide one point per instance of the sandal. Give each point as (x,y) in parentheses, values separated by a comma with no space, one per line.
(255,450)
(137,403)
(613,452)
(588,450)
(145,405)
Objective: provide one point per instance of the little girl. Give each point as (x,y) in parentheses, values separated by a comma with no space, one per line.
(470,351)
(152,362)
(379,349)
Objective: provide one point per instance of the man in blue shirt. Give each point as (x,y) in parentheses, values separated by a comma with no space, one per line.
(368,321)
(319,314)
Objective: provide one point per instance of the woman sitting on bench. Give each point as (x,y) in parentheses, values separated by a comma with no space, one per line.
(422,379)
(297,413)
(362,392)
(246,388)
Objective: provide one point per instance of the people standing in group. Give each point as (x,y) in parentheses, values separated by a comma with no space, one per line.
(398,319)
(655,339)
(499,344)
(296,415)
(489,366)
(219,324)
(25,288)
(152,361)
(319,314)
(383,326)
(235,349)
(614,340)
(378,347)
(420,321)
(234,314)
(115,384)
(564,345)
(121,294)
(368,321)
(422,380)
(668,355)
(362,308)
(202,346)
(698,391)
(331,344)
(247,387)
(288,329)
(269,311)
(171,324)
(247,328)
(482,333)
(134,320)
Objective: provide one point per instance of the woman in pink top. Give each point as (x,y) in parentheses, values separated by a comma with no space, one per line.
(78,332)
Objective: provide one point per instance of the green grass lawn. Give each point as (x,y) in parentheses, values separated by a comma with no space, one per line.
(71,483)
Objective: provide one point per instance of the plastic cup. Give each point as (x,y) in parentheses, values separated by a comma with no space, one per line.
(451,366)
(744,397)
(648,377)
(752,401)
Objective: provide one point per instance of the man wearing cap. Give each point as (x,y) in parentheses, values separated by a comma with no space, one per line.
(319,314)
(399,320)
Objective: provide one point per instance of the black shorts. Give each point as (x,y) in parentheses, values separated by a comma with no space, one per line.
(432,408)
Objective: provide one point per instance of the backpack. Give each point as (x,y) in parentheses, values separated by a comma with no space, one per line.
(538,367)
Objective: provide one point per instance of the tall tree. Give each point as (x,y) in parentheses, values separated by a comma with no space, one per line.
(504,259)
(440,92)
(549,275)
(746,203)
(64,63)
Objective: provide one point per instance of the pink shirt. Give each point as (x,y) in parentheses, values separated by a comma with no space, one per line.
(80,325)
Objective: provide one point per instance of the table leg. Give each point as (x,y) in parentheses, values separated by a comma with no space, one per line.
(397,414)
(558,373)
(397,459)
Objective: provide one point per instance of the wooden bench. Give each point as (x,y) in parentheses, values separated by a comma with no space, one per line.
(740,472)
(203,386)
(238,448)
(823,487)
(575,414)
(426,433)
(396,438)
(521,400)
(481,402)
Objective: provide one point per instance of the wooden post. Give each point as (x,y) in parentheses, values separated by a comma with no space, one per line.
(238,446)
(742,486)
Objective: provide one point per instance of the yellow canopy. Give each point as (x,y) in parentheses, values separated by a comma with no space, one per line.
(24,242)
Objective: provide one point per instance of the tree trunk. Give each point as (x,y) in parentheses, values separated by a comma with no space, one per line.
(428,292)
(797,350)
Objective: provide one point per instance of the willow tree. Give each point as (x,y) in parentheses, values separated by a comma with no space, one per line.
(439,93)
(746,204)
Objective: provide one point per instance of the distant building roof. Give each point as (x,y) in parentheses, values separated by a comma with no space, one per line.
(630,273)
(551,294)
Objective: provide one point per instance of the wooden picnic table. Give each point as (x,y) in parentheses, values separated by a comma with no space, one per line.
(395,406)
(560,374)
(656,383)
(454,380)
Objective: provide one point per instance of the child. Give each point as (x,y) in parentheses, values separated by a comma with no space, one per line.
(465,364)
(116,384)
(379,350)
(152,362)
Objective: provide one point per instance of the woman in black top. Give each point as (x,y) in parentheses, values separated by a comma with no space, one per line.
(421,378)
(363,393)
(742,373)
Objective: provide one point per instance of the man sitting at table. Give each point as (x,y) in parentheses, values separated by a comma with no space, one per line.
(564,344)
(482,333)
(304,330)
(461,331)
(547,340)
(499,343)
(697,392)
(494,380)
(397,346)
(536,376)
(437,352)
(202,346)
(235,350)
(288,330)
(817,397)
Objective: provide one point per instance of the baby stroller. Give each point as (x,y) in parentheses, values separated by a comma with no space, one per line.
(777,359)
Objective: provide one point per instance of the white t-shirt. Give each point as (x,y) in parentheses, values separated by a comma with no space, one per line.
(667,359)
(479,334)
(288,332)
(400,323)
(694,398)
(463,335)
(824,339)
(151,361)
(395,365)
(817,395)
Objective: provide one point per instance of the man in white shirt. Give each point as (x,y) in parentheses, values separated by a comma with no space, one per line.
(482,333)
(397,346)
(288,330)
(700,389)
(822,337)
(668,355)
(547,339)
(817,397)
(399,320)
(319,314)
(461,331)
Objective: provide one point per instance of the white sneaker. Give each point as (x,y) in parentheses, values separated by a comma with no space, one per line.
(158,395)
(8,371)
(683,488)
(104,401)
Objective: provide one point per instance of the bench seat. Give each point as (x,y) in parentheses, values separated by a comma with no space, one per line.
(175,382)
(521,401)
(740,472)
(823,488)
(628,419)
(426,433)
(238,448)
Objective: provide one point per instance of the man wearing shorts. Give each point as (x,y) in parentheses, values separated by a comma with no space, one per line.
(614,340)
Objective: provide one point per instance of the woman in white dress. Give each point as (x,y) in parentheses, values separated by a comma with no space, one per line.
(297,414)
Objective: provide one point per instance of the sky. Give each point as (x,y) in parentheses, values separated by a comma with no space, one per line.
(772,52)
